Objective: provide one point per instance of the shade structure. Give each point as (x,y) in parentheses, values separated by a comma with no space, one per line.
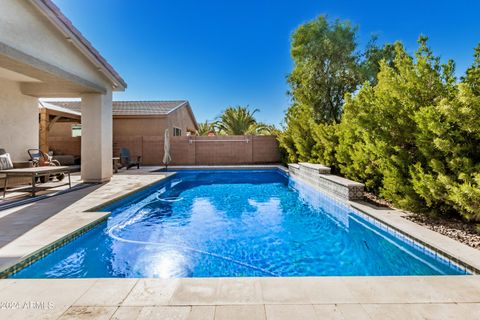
(166,149)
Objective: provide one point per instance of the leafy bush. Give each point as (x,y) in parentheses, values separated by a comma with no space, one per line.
(378,137)
(297,139)
(411,134)
(448,137)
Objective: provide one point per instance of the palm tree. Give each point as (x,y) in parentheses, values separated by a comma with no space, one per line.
(262,129)
(205,128)
(236,121)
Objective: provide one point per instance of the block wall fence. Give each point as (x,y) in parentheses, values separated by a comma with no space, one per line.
(187,150)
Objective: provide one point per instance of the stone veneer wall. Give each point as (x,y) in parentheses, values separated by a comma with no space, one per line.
(319,176)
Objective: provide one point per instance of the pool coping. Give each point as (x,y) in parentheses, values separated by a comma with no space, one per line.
(370,212)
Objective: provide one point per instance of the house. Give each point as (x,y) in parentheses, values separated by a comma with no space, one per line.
(43,55)
(146,118)
(130,119)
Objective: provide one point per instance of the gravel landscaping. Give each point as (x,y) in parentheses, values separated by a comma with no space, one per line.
(455,229)
(452,228)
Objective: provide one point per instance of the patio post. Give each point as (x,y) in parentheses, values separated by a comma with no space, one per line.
(43,141)
(96,154)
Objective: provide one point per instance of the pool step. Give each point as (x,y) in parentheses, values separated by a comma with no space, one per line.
(319,176)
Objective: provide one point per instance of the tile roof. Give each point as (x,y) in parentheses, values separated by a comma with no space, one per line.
(131,108)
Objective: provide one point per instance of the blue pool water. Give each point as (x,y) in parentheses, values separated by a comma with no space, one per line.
(230,224)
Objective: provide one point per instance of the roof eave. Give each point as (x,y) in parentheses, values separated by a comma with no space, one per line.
(190,111)
(63,24)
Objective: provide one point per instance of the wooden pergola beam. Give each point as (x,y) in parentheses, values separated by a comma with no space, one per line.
(48,117)
(53,121)
(44,128)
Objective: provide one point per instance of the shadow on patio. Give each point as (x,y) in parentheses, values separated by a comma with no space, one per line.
(15,222)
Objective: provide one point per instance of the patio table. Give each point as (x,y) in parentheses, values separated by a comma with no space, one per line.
(34,173)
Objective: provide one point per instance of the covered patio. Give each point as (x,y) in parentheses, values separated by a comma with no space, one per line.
(43,55)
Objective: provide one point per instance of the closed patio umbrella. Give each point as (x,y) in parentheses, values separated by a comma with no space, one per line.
(166,150)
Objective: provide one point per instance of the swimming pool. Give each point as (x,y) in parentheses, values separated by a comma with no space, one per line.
(232,224)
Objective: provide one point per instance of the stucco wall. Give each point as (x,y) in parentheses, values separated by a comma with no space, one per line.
(128,127)
(153,126)
(61,129)
(18,120)
(60,139)
(138,126)
(180,118)
(25,29)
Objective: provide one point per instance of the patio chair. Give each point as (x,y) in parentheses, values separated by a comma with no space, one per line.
(42,159)
(126,159)
(13,181)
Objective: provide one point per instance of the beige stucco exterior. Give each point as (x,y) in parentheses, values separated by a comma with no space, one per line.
(61,140)
(43,55)
(18,126)
(154,126)
(131,126)
(97,137)
(181,118)
(23,28)
(139,126)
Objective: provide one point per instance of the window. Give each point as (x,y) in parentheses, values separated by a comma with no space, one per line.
(76,130)
(177,132)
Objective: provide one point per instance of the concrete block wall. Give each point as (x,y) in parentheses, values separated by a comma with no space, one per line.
(200,150)
(188,150)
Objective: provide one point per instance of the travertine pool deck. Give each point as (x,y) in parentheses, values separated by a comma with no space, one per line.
(25,229)
(448,297)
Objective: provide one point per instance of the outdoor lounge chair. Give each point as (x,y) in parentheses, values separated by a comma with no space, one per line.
(126,159)
(41,159)
(15,181)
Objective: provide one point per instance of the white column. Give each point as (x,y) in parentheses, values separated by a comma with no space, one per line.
(97,137)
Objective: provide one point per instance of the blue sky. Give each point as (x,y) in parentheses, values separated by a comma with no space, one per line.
(221,53)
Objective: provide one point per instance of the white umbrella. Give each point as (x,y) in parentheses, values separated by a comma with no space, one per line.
(166,149)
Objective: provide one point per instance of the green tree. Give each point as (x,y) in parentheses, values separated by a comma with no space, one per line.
(241,121)
(262,129)
(401,124)
(373,55)
(377,140)
(326,66)
(204,128)
(449,138)
(297,138)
